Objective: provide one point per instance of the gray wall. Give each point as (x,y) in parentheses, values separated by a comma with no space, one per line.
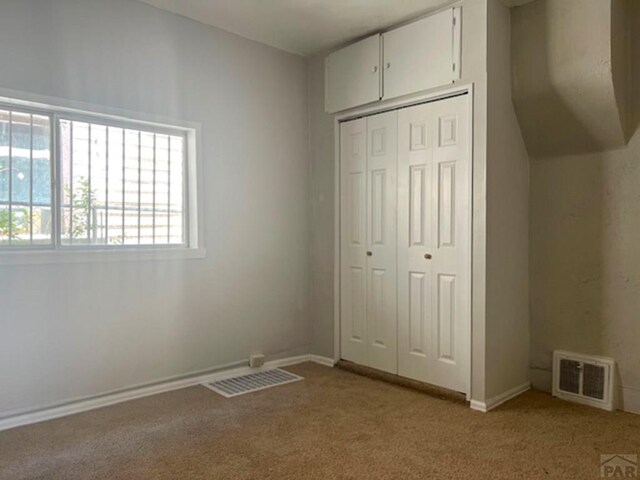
(322,169)
(585,254)
(568,77)
(585,261)
(507,335)
(75,330)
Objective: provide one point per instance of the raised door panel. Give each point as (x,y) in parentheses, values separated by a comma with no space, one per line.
(446,204)
(381,240)
(420,55)
(356,319)
(353,240)
(417,337)
(352,75)
(446,319)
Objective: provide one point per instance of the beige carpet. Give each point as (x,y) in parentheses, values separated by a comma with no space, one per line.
(334,424)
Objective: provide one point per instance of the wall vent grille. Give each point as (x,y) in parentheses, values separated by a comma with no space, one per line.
(584,379)
(252,382)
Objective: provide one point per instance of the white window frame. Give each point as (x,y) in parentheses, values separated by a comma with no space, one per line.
(56,109)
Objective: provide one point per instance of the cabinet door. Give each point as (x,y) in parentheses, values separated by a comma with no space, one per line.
(352,75)
(419,56)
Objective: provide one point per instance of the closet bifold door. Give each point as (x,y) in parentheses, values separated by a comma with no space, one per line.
(353,241)
(382,168)
(368,199)
(434,243)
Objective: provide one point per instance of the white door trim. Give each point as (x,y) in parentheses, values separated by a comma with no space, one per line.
(379,108)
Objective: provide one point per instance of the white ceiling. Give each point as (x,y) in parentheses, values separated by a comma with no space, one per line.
(304,27)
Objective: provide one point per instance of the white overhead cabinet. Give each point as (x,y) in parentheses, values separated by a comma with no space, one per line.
(415,57)
(419,56)
(353,75)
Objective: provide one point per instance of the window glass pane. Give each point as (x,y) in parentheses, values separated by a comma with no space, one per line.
(132,188)
(118,185)
(114,186)
(25,179)
(176,194)
(161,193)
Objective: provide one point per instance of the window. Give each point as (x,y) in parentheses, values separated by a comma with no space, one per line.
(120,186)
(107,184)
(25,179)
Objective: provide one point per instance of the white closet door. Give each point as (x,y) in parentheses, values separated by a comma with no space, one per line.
(353,240)
(434,243)
(382,165)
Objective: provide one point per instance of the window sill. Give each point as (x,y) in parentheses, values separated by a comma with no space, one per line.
(40,257)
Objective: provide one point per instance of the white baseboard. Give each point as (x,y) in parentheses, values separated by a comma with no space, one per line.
(493,402)
(91,403)
(326,361)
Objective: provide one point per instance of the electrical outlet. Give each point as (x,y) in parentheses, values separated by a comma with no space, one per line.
(256,361)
